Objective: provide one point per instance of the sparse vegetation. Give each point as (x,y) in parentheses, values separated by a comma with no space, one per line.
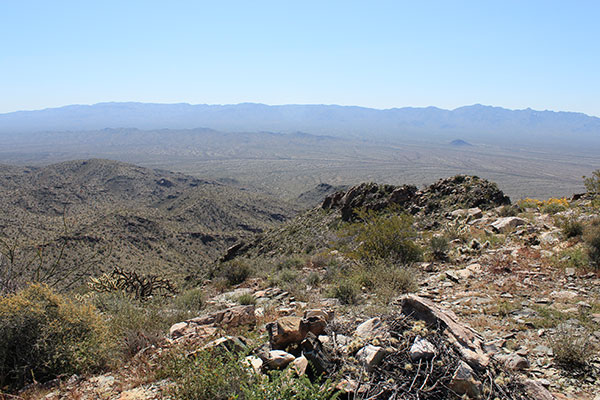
(246,299)
(592,241)
(572,349)
(383,236)
(44,334)
(439,246)
(592,183)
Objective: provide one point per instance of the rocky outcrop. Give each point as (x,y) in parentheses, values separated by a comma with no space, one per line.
(446,194)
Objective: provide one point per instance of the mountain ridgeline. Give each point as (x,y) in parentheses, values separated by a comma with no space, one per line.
(477,122)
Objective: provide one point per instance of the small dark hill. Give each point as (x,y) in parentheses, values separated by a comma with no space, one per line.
(460,143)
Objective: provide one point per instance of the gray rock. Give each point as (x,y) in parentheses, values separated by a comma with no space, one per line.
(422,349)
(507,224)
(463,381)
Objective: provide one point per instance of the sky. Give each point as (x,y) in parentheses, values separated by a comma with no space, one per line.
(380,54)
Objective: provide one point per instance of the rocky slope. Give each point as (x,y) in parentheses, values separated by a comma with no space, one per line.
(508,309)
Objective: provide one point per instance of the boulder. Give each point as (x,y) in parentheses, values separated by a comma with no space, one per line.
(313,351)
(507,224)
(285,331)
(370,356)
(315,324)
(370,329)
(233,344)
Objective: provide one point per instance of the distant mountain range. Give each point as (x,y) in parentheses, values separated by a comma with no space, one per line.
(476,123)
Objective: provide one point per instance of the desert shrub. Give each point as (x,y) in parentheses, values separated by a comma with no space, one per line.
(247,299)
(571,228)
(508,211)
(553,206)
(575,257)
(383,236)
(205,376)
(572,350)
(592,184)
(136,325)
(210,376)
(438,245)
(44,334)
(456,230)
(346,292)
(313,279)
(523,204)
(290,263)
(388,280)
(592,241)
(234,272)
(191,299)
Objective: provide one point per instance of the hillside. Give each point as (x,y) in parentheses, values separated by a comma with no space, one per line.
(101,213)
(445,292)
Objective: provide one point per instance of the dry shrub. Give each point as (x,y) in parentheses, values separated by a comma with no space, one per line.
(44,334)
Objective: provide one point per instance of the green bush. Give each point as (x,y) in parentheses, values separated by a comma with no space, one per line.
(205,376)
(44,334)
(346,292)
(439,246)
(235,272)
(384,236)
(572,228)
(210,376)
(592,184)
(191,299)
(592,241)
(247,299)
(313,279)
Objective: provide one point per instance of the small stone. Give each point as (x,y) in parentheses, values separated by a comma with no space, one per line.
(279,359)
(570,272)
(514,361)
(300,365)
(463,381)
(371,356)
(178,330)
(232,344)
(422,349)
(254,362)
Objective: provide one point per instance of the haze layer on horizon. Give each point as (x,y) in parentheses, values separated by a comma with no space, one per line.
(540,55)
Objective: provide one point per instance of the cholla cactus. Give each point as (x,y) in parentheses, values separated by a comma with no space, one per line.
(139,286)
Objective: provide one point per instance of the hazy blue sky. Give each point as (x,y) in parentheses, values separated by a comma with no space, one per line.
(514,54)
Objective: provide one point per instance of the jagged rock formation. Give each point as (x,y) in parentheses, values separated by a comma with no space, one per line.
(460,191)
